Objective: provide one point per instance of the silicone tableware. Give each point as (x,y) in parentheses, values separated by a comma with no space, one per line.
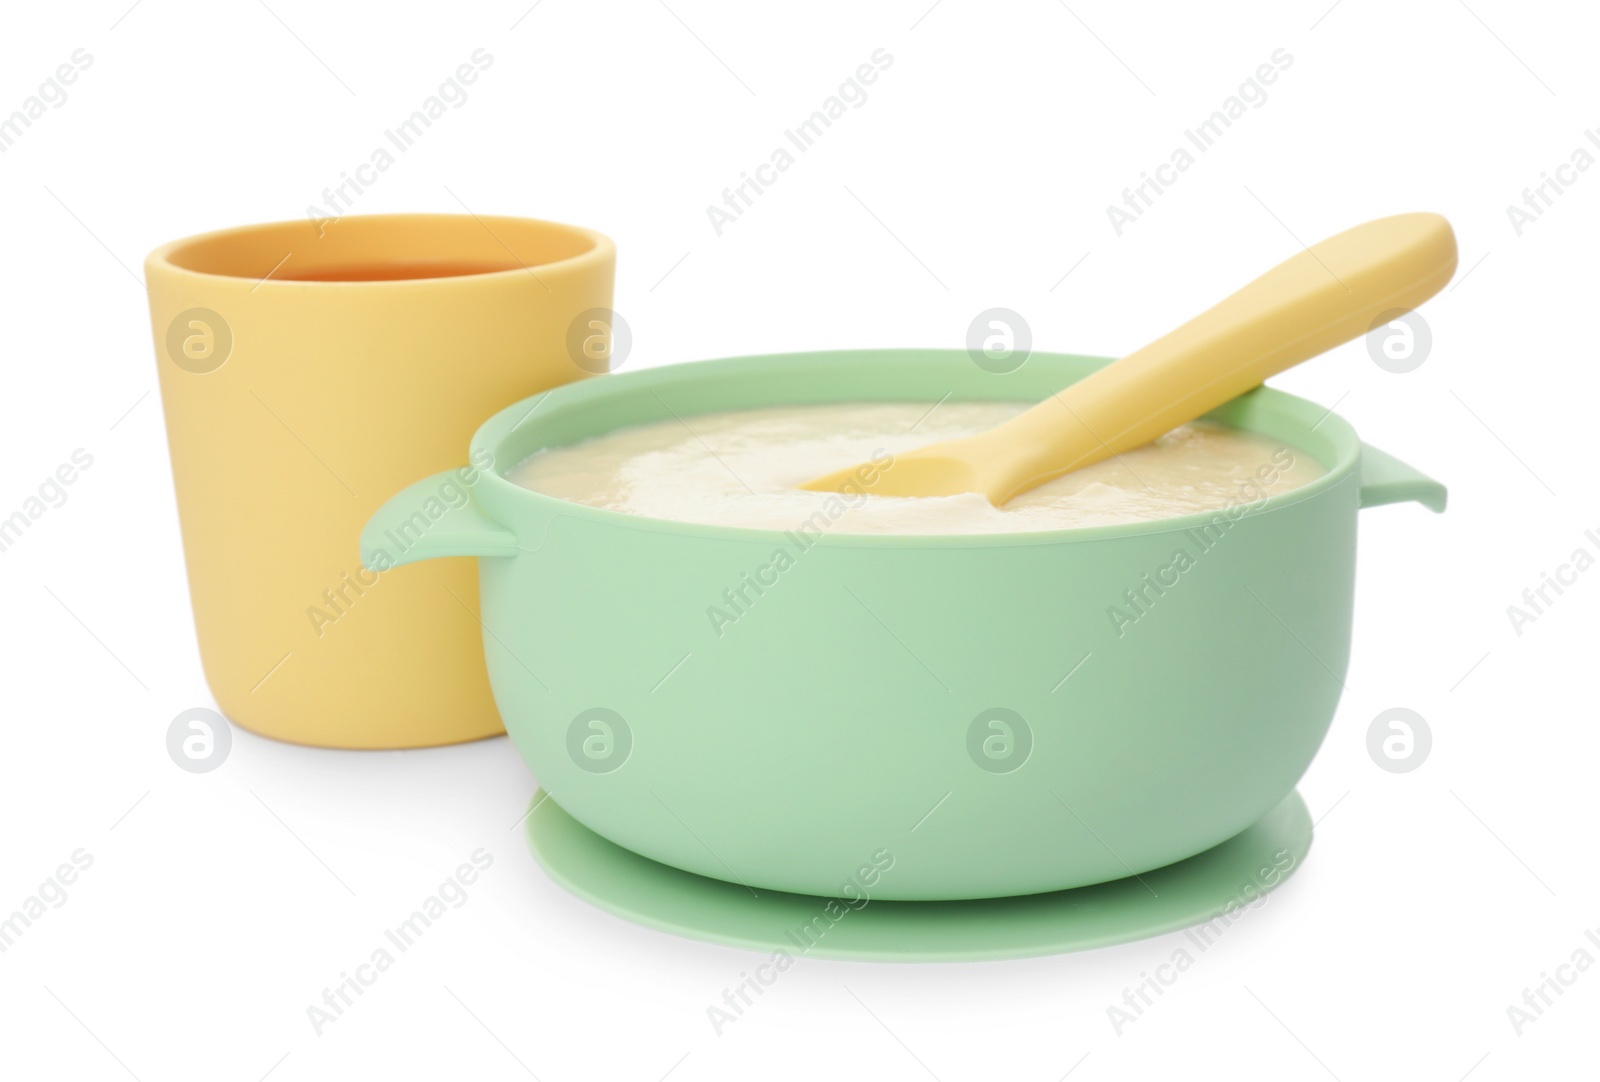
(1325,296)
(1003,714)
(297,399)
(1213,889)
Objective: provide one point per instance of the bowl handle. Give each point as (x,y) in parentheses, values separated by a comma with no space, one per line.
(1385,479)
(433,517)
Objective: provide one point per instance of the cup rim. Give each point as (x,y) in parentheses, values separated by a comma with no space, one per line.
(601,248)
(497,492)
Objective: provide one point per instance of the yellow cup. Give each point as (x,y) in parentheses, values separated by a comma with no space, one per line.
(308,372)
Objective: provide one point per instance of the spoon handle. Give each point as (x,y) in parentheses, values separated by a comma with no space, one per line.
(1328,294)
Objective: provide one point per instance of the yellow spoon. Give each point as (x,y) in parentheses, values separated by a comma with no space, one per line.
(1328,294)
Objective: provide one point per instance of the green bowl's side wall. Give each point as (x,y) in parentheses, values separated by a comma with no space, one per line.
(832,717)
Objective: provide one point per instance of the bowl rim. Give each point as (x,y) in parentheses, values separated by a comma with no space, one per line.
(500,497)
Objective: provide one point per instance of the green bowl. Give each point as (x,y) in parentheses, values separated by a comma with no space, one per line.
(914,718)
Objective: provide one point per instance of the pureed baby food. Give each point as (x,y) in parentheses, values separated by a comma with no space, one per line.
(739,469)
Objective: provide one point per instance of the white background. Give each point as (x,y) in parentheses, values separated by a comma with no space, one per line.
(219,906)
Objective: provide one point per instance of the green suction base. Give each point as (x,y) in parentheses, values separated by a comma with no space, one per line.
(1214,885)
